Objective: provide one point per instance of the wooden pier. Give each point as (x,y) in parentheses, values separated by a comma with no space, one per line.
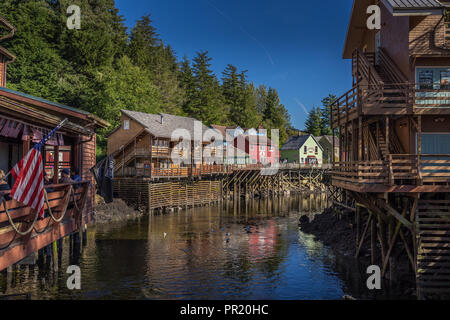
(175,191)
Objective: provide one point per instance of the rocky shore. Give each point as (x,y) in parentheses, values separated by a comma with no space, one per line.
(338,232)
(117,211)
(332,230)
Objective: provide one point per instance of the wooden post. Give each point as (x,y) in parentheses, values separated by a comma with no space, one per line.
(135,156)
(387,135)
(358,220)
(123,162)
(26,146)
(151,156)
(360,137)
(419,146)
(55,164)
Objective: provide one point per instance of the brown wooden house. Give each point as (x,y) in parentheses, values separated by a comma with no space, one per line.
(144,144)
(24,121)
(394,131)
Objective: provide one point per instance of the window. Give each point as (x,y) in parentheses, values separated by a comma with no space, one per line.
(445,80)
(447,26)
(305,150)
(377,47)
(425,78)
(317,150)
(126,125)
(435,143)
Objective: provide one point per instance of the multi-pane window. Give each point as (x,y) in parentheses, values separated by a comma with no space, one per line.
(126,125)
(447,26)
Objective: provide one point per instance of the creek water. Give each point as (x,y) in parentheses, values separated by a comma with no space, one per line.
(253,249)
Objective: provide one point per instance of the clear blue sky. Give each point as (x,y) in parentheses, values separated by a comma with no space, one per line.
(294,46)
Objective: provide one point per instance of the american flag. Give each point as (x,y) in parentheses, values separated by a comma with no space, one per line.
(29,177)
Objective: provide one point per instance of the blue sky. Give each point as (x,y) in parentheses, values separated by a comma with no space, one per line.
(294,46)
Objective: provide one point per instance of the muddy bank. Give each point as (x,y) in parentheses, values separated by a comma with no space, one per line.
(332,230)
(117,211)
(338,231)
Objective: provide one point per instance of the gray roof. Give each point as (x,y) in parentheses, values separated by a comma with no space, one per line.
(414,4)
(152,123)
(296,142)
(330,140)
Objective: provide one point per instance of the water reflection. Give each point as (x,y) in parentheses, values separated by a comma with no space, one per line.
(237,250)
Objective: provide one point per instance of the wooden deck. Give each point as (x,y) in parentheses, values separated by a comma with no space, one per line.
(373,96)
(399,173)
(208,170)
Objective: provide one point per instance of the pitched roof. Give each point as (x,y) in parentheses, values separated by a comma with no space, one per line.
(29,99)
(358,17)
(296,142)
(170,123)
(413,4)
(223,132)
(260,140)
(330,140)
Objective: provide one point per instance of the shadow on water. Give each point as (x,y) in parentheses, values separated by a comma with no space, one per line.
(248,249)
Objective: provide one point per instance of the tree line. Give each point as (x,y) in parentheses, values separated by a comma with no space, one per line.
(318,121)
(104,67)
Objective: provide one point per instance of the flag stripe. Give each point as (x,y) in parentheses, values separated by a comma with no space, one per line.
(29,185)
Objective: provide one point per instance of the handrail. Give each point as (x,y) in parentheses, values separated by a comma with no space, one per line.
(365,68)
(390,68)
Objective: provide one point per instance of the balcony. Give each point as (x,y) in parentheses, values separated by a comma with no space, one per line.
(380,88)
(67,208)
(398,172)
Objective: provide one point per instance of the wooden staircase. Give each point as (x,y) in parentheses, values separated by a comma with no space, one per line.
(382,145)
(433,259)
(395,146)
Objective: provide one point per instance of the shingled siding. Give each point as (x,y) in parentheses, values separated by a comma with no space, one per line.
(426,36)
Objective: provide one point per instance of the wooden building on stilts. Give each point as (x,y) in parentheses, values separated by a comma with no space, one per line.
(394,132)
(24,121)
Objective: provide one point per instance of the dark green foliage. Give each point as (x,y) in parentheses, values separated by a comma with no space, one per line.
(318,122)
(102,68)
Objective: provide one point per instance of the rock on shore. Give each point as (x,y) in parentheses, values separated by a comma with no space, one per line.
(115,211)
(334,231)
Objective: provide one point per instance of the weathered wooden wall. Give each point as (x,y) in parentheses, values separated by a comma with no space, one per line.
(182,194)
(134,191)
(120,136)
(88,160)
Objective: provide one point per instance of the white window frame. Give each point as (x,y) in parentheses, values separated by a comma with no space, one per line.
(126,124)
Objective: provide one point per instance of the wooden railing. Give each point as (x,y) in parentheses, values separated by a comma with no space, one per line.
(365,172)
(397,169)
(389,68)
(378,99)
(23,217)
(363,65)
(344,107)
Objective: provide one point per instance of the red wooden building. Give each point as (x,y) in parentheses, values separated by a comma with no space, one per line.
(261,149)
(24,120)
